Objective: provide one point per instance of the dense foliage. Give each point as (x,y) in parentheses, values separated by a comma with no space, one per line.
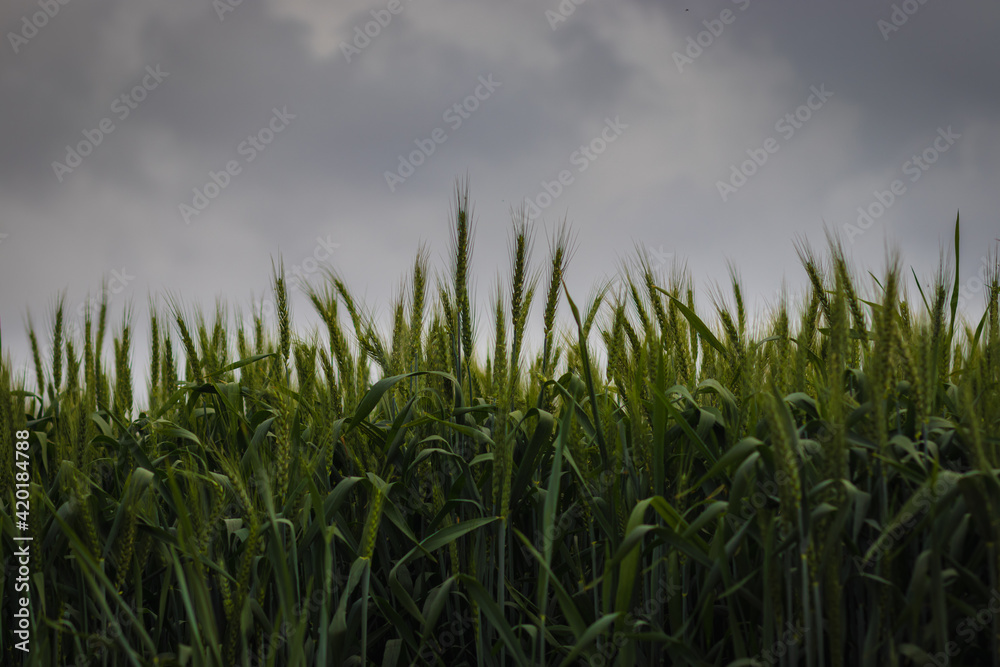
(816,486)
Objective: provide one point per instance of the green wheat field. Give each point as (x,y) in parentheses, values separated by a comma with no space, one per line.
(659,482)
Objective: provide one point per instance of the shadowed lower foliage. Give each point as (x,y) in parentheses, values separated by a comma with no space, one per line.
(814,485)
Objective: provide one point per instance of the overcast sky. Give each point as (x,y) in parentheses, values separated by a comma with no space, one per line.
(700,131)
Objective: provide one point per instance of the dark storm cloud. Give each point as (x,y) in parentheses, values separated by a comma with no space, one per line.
(933,68)
(323,176)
